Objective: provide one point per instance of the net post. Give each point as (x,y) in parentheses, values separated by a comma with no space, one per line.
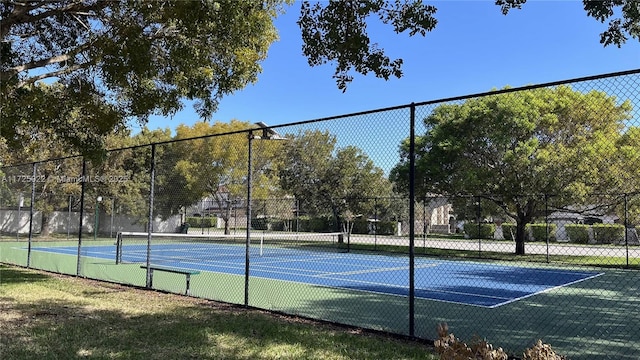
(261,243)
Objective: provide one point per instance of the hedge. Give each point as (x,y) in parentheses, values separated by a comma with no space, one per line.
(509,231)
(320,224)
(608,233)
(260,223)
(196,221)
(486,230)
(538,232)
(578,233)
(315,224)
(387,227)
(361,226)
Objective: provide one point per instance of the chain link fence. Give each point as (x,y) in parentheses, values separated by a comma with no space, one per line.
(511,215)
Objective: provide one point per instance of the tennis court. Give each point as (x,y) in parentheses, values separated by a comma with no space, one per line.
(461,282)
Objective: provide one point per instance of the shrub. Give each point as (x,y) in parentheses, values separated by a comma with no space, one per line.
(451,348)
(578,233)
(387,227)
(509,231)
(315,224)
(541,351)
(196,221)
(278,224)
(538,232)
(486,230)
(608,233)
(326,224)
(362,226)
(259,224)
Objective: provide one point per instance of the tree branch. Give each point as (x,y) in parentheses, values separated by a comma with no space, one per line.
(66,70)
(20,14)
(10,72)
(39,64)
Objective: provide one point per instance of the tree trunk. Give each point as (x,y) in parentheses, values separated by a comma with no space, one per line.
(338,223)
(226,218)
(520,236)
(44,226)
(227,229)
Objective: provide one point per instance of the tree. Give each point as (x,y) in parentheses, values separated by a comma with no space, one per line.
(306,158)
(77,118)
(53,186)
(120,176)
(513,148)
(123,178)
(112,61)
(339,182)
(353,182)
(216,166)
(629,169)
(336,31)
(127,59)
(619,30)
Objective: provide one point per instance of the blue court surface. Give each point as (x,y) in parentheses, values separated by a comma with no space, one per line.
(461,282)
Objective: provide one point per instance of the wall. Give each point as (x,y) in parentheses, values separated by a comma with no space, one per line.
(62,222)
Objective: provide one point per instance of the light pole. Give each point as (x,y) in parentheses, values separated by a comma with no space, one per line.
(95,225)
(267,134)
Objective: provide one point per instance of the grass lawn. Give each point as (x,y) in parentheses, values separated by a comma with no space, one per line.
(45,316)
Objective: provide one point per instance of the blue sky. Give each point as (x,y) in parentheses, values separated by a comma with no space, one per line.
(474,48)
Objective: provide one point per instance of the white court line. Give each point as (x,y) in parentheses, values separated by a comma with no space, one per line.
(277,260)
(372,283)
(329,276)
(313,273)
(425,289)
(70,251)
(370,271)
(131,257)
(544,291)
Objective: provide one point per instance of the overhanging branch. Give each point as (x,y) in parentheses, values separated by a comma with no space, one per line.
(13,71)
(66,70)
(20,14)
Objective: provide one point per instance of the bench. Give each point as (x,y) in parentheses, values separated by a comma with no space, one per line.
(172,270)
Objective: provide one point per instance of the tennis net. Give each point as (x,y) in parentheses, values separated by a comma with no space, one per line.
(133,247)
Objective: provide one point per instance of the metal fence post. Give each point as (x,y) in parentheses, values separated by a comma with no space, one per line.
(248,238)
(152,177)
(546,221)
(113,209)
(626,227)
(375,223)
(424,224)
(479,217)
(412,215)
(69,218)
(18,218)
(83,181)
(33,200)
